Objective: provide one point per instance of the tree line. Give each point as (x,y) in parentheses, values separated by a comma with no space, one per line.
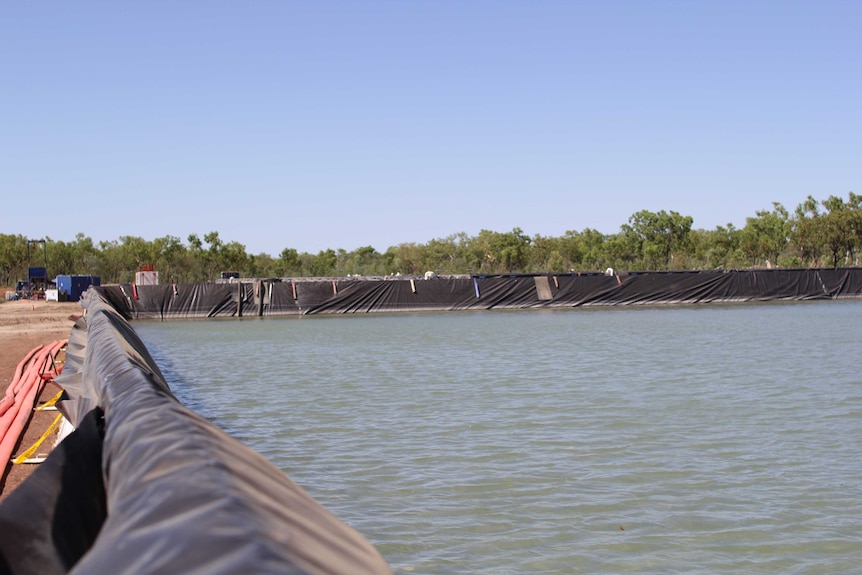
(825,233)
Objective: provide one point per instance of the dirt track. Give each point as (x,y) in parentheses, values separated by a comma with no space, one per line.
(25,325)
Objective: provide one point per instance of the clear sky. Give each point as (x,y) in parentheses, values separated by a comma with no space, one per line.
(317,125)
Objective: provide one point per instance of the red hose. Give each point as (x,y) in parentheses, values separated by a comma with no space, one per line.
(9,397)
(19,403)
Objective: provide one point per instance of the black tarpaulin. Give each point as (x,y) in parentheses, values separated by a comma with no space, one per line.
(515,291)
(184,496)
(52,519)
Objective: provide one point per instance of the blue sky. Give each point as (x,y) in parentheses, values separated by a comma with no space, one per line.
(317,125)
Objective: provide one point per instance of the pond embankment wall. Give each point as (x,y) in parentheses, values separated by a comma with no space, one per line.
(145,485)
(286,296)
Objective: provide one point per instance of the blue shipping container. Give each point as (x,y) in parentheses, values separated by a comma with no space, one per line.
(74,286)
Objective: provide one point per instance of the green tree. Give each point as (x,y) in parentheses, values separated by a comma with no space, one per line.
(546,255)
(264,265)
(364,261)
(233,256)
(196,266)
(170,253)
(85,255)
(61,258)
(290,262)
(766,236)
(502,252)
(136,252)
(622,251)
(572,248)
(842,227)
(825,232)
(718,248)
(591,246)
(807,232)
(406,258)
(13,259)
(213,256)
(112,262)
(658,236)
(324,263)
(451,255)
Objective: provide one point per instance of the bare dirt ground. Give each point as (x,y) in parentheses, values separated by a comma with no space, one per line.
(24,325)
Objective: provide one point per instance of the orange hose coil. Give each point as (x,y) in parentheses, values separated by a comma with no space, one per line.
(17,405)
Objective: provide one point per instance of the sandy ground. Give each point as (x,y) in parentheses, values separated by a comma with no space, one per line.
(25,325)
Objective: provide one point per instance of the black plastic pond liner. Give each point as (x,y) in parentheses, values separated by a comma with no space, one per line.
(166,490)
(52,519)
(405,294)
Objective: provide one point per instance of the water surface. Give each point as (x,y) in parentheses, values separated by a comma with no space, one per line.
(709,439)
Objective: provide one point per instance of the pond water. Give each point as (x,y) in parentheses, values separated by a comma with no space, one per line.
(708,439)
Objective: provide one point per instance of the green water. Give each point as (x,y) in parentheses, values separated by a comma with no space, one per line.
(714,439)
